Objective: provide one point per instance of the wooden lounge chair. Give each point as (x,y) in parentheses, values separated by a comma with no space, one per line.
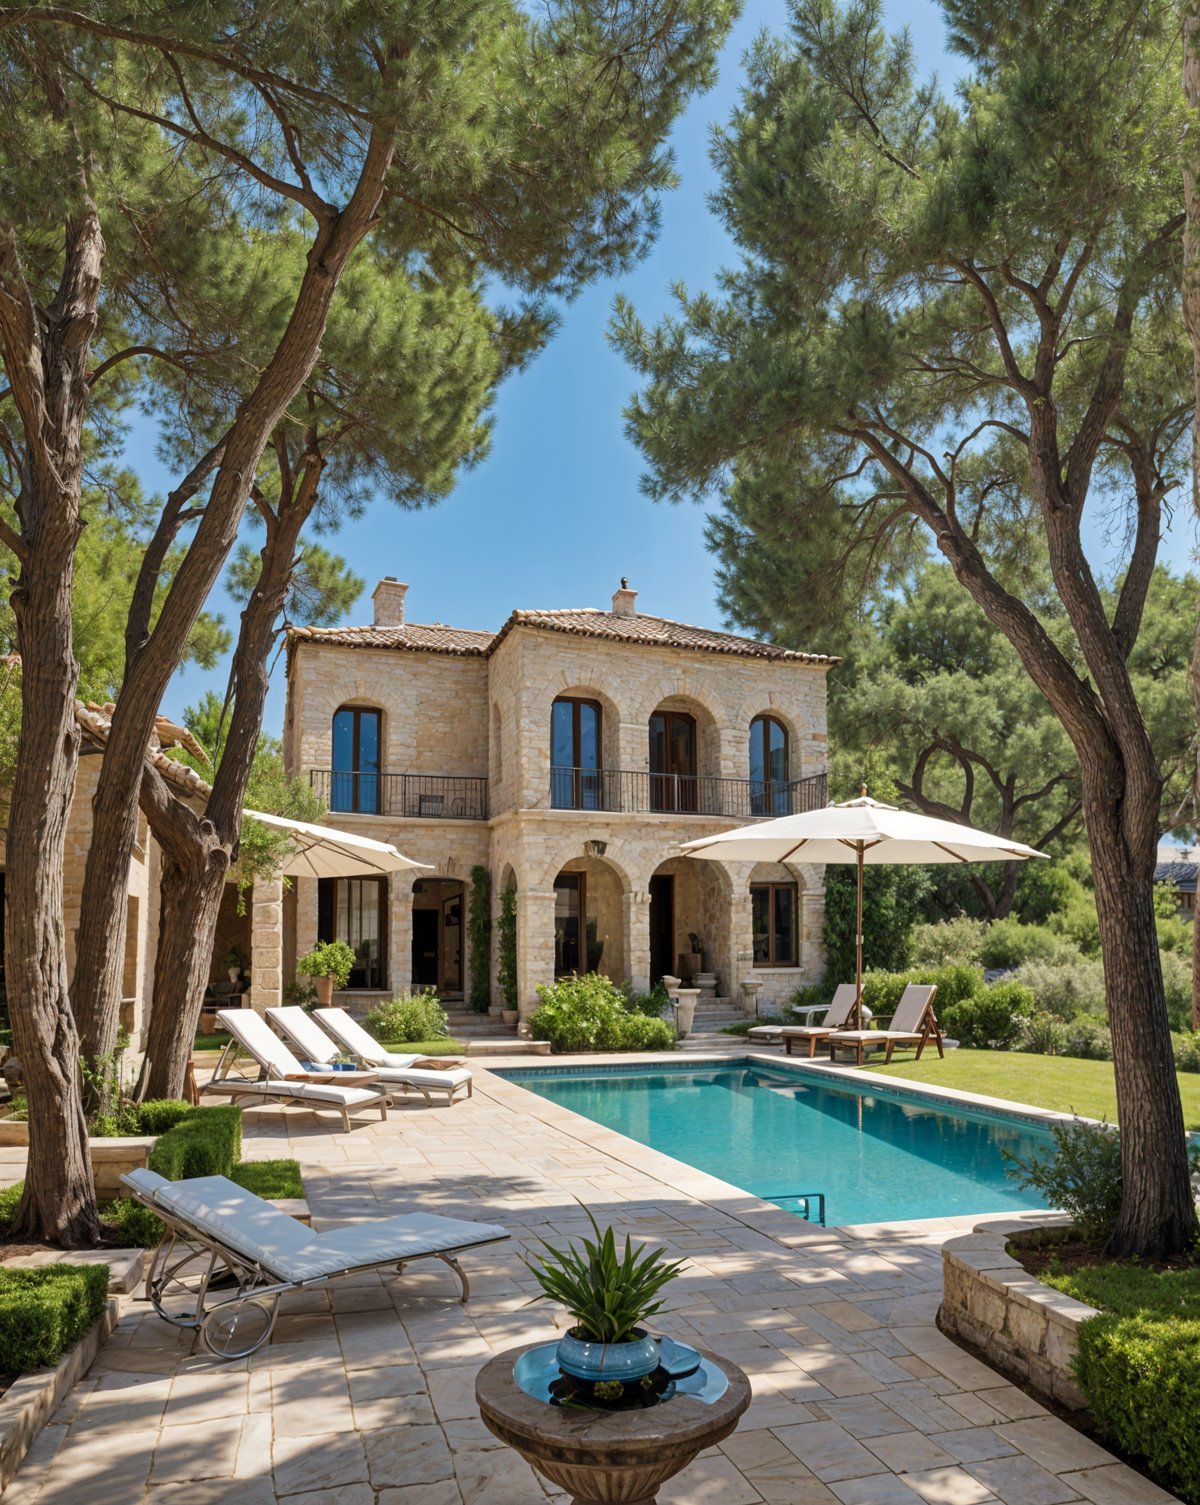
(445,1075)
(355,1041)
(839,1013)
(913,1023)
(281,1078)
(227,1256)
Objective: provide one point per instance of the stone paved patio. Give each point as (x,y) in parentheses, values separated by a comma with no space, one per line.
(366,1395)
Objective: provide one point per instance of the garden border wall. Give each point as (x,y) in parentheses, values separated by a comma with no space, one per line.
(1026,1330)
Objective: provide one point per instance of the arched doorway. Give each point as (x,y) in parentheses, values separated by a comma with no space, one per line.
(438,914)
(589,926)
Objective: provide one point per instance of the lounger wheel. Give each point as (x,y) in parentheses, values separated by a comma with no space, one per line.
(237,1328)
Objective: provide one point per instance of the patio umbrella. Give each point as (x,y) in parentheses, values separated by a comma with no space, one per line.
(323,852)
(864,832)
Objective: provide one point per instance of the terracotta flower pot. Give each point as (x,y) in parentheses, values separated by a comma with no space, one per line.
(324,987)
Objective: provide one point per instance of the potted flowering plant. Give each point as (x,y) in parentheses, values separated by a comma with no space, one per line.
(607,1351)
(329,965)
(234,962)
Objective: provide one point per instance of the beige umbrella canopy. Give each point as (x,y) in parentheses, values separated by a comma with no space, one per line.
(323,852)
(863,832)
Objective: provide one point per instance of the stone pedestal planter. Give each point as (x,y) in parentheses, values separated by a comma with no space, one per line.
(1023,1328)
(750,987)
(111,1158)
(685,1010)
(605,1457)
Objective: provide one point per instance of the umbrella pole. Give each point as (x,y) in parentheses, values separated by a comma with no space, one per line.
(858,942)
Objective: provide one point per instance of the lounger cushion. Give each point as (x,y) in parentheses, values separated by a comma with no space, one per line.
(143,1181)
(293,1252)
(804,1031)
(318,1092)
(453,1077)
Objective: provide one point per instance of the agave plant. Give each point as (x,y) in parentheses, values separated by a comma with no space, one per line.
(609,1297)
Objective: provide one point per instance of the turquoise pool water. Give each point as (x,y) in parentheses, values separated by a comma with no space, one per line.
(877,1156)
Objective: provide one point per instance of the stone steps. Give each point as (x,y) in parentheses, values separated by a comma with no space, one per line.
(468,1025)
(510,1047)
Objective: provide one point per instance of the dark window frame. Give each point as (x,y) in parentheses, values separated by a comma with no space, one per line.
(574,787)
(327,908)
(770,889)
(355,773)
(578,882)
(671,790)
(773,792)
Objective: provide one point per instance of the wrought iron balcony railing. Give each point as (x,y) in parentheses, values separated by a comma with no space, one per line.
(438,796)
(634,790)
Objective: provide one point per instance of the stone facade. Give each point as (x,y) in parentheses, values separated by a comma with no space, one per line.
(458,706)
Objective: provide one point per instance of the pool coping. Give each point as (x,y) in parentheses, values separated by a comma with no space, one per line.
(764,1217)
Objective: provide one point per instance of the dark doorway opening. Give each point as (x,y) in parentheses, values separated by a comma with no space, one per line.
(662,926)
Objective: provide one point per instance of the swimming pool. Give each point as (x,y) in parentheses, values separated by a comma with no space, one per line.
(878,1156)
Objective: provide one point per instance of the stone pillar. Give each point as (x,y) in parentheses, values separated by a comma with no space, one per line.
(399,933)
(535,946)
(266,944)
(306,915)
(812,930)
(637,939)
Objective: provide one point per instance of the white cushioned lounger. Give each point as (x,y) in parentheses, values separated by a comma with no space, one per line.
(355,1041)
(276,1064)
(215,1226)
(400,1071)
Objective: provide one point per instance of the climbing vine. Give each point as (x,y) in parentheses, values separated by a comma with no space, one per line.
(480,932)
(508,948)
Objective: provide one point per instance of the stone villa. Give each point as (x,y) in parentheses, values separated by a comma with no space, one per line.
(569,753)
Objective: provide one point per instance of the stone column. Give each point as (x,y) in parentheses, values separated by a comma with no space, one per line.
(399,933)
(306,915)
(812,930)
(637,938)
(535,946)
(266,944)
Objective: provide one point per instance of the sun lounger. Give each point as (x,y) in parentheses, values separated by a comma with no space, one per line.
(317,1048)
(355,1041)
(227,1256)
(281,1077)
(838,1014)
(913,1023)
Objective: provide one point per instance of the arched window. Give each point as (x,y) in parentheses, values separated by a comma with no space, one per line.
(576,780)
(673,781)
(355,781)
(769,791)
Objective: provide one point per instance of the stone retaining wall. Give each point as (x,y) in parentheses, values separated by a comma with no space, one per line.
(1023,1328)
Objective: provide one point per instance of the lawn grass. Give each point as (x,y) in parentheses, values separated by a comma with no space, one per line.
(425,1047)
(1060,1083)
(1131,1290)
(217,1041)
(269,1178)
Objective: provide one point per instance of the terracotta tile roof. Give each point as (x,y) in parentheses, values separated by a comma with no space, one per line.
(412,636)
(649,631)
(95,722)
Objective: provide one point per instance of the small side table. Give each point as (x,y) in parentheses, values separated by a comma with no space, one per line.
(605,1457)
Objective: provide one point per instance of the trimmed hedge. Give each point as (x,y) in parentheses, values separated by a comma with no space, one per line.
(206,1142)
(1137,1365)
(44,1310)
(589,1012)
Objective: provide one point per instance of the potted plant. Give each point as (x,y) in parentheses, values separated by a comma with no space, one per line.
(234,962)
(329,965)
(607,1355)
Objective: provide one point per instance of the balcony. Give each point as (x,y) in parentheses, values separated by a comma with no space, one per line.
(640,792)
(423,796)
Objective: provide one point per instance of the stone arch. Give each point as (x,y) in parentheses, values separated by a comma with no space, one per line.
(590,917)
(710,731)
(573,850)
(356,792)
(704,901)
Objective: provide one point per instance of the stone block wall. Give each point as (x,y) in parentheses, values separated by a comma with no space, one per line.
(1023,1328)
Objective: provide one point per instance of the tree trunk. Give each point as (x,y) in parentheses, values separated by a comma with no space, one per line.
(46,353)
(1157,1218)
(1191,318)
(191,899)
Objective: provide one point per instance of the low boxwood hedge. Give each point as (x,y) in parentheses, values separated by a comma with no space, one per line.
(204,1142)
(44,1310)
(1138,1366)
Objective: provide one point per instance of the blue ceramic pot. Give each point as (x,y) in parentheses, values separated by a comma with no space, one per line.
(608,1361)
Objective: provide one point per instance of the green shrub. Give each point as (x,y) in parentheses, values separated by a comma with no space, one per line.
(10,1200)
(1079,923)
(44,1310)
(640,1032)
(1088,1039)
(160,1114)
(1187,1052)
(992,1019)
(329,959)
(811,994)
(653,1004)
(1065,988)
(208,1142)
(412,1016)
(882,990)
(579,1013)
(1082,1177)
(118,1124)
(1177,985)
(1136,1364)
(1045,1035)
(892,898)
(137,1226)
(1043,889)
(1175,935)
(1008,943)
(741,1028)
(950,943)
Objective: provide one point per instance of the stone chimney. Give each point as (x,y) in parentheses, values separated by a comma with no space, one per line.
(624,601)
(388,597)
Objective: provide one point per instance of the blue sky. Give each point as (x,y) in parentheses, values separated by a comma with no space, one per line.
(554,517)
